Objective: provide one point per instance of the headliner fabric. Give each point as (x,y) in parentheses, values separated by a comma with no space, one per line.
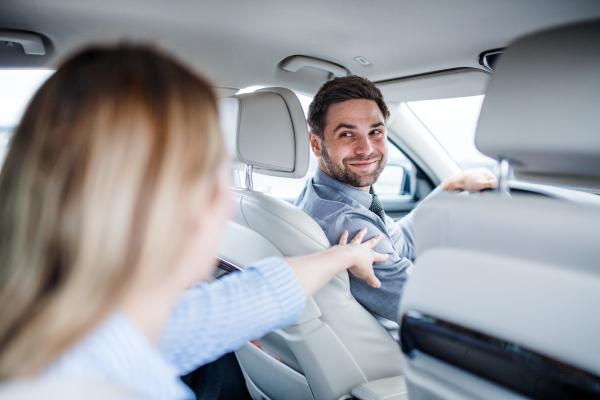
(238,44)
(541,109)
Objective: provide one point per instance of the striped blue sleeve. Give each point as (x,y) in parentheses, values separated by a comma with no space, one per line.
(118,351)
(217,318)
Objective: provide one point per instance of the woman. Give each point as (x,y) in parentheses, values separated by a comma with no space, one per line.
(113,199)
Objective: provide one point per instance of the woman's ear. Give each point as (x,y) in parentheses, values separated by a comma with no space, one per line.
(221,196)
(205,237)
(315,144)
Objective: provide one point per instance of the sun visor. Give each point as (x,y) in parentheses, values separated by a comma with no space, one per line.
(459,82)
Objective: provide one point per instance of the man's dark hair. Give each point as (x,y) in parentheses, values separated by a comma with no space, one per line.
(339,90)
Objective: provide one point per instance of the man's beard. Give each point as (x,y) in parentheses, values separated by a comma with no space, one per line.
(342,174)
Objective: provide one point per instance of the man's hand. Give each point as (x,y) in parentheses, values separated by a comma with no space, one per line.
(472,180)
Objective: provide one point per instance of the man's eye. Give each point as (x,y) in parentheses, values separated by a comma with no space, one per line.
(376,132)
(345,134)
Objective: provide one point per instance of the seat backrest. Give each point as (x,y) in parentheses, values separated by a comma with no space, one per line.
(336,344)
(503,299)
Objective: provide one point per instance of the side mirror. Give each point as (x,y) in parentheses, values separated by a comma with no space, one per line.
(394,180)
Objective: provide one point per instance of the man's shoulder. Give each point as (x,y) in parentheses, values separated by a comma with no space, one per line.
(324,203)
(334,217)
(322,209)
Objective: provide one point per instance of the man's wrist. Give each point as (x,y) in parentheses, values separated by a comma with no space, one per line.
(453,183)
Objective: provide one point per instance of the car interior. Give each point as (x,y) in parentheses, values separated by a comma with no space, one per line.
(501,303)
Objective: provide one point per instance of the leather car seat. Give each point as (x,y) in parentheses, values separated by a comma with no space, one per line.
(336,344)
(503,300)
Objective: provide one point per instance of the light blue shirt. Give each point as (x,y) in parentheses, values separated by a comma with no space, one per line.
(338,207)
(208,321)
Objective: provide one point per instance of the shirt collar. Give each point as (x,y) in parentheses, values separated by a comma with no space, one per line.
(322,178)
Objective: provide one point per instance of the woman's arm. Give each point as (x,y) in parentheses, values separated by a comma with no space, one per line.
(217,318)
(315,270)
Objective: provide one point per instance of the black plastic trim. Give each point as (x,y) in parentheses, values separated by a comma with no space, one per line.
(505,363)
(228,266)
(489,58)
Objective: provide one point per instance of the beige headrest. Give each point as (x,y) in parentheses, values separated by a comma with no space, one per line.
(542,107)
(267,129)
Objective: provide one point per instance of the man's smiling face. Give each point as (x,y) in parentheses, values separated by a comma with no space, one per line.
(354,145)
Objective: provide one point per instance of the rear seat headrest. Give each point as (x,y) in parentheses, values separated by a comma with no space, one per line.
(267,129)
(542,107)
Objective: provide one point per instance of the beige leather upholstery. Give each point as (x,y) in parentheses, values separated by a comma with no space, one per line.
(523,270)
(266,129)
(541,107)
(336,344)
(393,388)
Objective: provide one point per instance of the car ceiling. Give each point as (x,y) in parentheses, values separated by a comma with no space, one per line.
(242,43)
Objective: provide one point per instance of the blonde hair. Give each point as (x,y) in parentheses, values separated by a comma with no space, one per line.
(96,194)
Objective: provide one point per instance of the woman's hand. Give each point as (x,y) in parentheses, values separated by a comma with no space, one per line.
(315,270)
(363,256)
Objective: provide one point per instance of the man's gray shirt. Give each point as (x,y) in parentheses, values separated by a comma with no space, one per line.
(338,207)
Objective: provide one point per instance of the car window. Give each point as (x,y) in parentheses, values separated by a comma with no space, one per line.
(453,123)
(16,89)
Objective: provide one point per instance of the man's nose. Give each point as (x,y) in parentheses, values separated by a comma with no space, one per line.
(363,145)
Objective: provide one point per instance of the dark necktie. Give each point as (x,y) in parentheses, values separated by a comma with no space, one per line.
(376,206)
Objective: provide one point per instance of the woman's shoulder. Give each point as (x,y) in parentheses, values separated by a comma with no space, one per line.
(64,389)
(118,351)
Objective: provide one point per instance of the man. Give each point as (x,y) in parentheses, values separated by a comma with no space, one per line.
(347,119)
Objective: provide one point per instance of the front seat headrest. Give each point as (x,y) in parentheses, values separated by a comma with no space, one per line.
(542,107)
(266,129)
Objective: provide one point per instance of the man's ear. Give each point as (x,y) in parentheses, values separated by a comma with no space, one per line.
(315,144)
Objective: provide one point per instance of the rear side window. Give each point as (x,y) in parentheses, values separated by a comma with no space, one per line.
(17,86)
